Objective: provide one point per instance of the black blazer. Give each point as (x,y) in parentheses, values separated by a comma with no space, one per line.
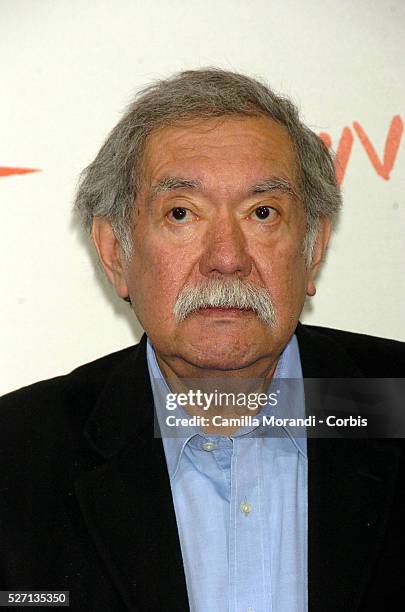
(85,500)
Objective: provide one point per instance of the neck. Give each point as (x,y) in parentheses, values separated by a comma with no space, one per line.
(183,377)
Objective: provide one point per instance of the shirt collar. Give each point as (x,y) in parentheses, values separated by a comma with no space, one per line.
(288,366)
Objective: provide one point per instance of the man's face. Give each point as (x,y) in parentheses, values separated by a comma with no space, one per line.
(218,200)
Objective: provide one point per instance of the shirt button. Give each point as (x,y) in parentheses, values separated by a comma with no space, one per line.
(208,446)
(245,507)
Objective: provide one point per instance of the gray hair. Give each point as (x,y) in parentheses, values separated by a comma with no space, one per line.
(109,185)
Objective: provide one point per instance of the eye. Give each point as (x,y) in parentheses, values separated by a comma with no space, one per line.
(264,213)
(180,215)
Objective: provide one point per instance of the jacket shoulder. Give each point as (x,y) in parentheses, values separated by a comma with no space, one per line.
(70,395)
(376,357)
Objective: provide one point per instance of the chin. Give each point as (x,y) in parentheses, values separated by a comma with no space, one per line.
(221,353)
(220,363)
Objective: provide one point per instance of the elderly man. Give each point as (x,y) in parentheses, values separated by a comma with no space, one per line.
(210,206)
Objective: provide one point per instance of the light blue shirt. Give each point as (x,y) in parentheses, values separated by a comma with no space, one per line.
(241,508)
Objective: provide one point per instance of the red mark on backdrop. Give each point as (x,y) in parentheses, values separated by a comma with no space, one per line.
(8,170)
(391,147)
(343,151)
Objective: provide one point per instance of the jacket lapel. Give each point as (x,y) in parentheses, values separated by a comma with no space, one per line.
(126,501)
(350,490)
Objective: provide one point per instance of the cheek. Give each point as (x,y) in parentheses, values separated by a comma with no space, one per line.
(285,276)
(158,272)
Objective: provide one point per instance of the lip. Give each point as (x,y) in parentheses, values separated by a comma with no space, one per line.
(223,312)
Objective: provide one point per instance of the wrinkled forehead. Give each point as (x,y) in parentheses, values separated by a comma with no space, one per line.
(236,149)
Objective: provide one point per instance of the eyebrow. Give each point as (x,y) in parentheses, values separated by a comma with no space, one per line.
(171,183)
(273,184)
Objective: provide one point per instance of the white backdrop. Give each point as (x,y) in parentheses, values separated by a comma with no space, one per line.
(69,67)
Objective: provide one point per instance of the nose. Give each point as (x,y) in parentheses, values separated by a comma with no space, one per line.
(225,250)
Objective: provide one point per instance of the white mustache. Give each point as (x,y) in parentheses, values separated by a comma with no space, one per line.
(219,293)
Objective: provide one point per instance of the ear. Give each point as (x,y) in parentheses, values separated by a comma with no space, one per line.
(109,252)
(318,253)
